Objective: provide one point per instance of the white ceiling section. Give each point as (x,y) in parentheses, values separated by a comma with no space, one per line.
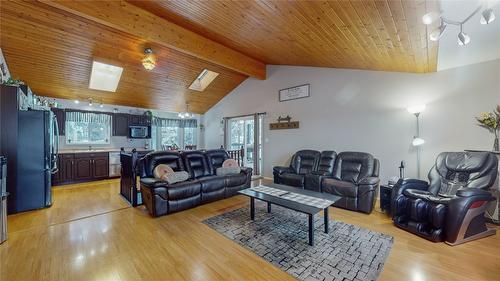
(485,39)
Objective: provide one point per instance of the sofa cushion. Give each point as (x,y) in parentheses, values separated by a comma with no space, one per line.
(196,164)
(235,179)
(353,166)
(341,188)
(175,177)
(305,161)
(211,183)
(224,171)
(292,180)
(216,157)
(148,163)
(161,170)
(184,189)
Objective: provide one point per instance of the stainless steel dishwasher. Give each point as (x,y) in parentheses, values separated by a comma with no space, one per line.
(114,164)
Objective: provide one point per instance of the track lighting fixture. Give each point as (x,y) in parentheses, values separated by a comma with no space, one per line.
(487,16)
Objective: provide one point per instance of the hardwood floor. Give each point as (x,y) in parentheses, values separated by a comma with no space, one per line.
(90,233)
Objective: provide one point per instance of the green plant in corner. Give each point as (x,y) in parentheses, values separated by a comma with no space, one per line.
(491,122)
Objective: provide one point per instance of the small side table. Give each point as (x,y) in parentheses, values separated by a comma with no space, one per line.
(385,198)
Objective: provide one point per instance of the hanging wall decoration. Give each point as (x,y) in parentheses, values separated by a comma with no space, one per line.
(284,123)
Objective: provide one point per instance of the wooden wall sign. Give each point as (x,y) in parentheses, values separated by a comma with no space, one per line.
(284,123)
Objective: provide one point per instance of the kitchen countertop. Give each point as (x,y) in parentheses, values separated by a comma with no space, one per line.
(97,150)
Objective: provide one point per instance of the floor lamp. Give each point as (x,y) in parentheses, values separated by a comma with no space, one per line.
(417,140)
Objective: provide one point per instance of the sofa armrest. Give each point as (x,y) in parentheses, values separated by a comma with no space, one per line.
(152,183)
(281,169)
(397,192)
(468,192)
(246,170)
(369,181)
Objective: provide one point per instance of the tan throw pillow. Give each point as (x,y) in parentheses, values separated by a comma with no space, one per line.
(175,177)
(229,163)
(161,170)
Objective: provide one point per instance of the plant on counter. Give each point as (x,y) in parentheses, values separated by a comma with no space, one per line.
(491,122)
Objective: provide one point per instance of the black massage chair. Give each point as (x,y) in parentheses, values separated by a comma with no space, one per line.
(451,206)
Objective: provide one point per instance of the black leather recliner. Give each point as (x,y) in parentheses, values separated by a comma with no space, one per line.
(451,206)
(355,179)
(203,185)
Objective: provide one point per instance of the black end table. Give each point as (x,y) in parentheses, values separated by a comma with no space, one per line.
(385,198)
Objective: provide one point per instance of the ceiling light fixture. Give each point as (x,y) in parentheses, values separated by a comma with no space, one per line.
(487,17)
(463,39)
(77,101)
(149,61)
(185,114)
(90,102)
(438,33)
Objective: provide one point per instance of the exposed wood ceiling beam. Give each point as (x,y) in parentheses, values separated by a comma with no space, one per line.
(128,18)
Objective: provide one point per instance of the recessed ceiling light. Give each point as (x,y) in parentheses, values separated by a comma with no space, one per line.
(203,80)
(105,77)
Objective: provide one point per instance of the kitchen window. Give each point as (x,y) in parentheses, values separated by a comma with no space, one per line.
(175,133)
(88,128)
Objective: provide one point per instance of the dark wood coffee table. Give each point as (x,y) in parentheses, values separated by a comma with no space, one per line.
(292,198)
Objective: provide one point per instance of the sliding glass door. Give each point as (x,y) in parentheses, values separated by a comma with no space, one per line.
(243,133)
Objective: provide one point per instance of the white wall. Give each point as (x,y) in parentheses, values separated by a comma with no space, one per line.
(365,111)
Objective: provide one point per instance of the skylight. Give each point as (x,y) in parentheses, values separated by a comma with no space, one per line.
(203,80)
(105,77)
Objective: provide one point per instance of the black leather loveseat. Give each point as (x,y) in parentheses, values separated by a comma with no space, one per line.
(203,185)
(351,175)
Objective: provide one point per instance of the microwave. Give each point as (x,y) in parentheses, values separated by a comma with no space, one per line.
(139,132)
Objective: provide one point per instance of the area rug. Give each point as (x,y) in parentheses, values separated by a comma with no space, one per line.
(347,252)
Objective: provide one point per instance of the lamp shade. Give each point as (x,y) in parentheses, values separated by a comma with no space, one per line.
(463,39)
(417,141)
(416,108)
(487,16)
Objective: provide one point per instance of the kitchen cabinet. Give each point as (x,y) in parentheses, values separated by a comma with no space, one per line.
(61,120)
(142,120)
(120,124)
(81,167)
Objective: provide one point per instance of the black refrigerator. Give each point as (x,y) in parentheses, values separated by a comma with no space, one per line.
(29,142)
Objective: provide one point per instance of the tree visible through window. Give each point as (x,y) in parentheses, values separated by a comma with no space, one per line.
(87,133)
(169,136)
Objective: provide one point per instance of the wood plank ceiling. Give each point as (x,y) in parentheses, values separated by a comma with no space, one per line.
(53,49)
(362,34)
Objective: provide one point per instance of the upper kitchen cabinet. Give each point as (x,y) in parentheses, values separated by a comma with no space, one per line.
(120,124)
(143,120)
(61,120)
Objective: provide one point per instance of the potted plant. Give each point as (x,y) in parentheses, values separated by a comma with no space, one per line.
(491,122)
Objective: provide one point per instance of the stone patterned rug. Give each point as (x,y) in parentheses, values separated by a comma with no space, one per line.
(347,252)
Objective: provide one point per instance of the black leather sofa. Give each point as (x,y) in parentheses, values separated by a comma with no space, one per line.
(351,175)
(450,207)
(203,185)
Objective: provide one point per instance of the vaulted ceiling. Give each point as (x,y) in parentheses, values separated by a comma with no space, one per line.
(51,45)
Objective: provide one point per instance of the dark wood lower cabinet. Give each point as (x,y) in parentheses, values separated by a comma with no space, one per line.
(81,167)
(100,167)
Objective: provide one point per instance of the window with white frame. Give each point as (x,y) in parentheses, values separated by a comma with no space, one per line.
(175,133)
(87,128)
